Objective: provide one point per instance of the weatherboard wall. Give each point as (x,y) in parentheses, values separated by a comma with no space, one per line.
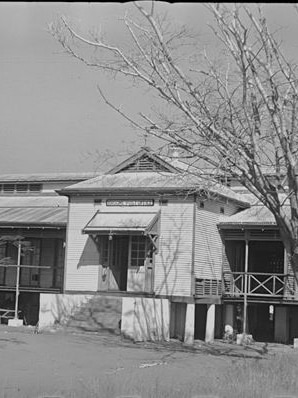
(83,268)
(81,264)
(208,243)
(173,263)
(181,245)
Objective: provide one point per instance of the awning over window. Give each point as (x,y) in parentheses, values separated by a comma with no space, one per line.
(116,222)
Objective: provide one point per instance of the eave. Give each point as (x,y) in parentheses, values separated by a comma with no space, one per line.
(114,191)
(242,226)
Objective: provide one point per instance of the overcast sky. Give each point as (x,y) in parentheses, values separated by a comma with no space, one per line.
(51,115)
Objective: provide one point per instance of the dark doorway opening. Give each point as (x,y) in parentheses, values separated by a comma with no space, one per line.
(200,321)
(29,305)
(267,257)
(261,322)
(28,308)
(119,263)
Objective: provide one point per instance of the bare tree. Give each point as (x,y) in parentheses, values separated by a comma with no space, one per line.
(238,116)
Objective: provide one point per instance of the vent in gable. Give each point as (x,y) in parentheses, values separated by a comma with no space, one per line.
(145,163)
(255,234)
(264,235)
(234,234)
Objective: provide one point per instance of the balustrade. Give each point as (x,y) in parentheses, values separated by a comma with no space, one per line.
(259,284)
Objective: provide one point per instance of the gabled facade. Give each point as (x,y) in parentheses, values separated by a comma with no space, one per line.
(147,232)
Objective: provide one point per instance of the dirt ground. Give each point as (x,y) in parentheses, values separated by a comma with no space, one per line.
(61,363)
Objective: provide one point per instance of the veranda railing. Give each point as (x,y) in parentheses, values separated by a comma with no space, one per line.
(259,284)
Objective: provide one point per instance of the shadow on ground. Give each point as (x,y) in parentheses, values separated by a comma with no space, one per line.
(255,350)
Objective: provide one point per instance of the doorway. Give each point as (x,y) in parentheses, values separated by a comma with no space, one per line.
(261,322)
(200,321)
(29,305)
(119,247)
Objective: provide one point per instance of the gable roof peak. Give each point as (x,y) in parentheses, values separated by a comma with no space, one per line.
(145,160)
(146,148)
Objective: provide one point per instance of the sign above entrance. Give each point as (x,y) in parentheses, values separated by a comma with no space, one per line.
(130,202)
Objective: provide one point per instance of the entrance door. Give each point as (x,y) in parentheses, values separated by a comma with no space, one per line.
(118,263)
(261,322)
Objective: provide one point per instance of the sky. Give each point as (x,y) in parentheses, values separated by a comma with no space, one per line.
(52,118)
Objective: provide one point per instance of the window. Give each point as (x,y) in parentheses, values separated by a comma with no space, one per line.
(35,187)
(22,187)
(8,188)
(271,312)
(104,251)
(138,251)
(31,256)
(163,202)
(58,263)
(35,277)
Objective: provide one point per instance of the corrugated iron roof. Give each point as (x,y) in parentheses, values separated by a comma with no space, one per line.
(111,221)
(44,177)
(151,181)
(33,216)
(39,211)
(255,215)
(33,201)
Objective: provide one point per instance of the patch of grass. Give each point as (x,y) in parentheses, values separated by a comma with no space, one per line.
(268,377)
(114,387)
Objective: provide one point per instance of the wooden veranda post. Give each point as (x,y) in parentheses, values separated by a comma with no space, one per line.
(245,288)
(18,281)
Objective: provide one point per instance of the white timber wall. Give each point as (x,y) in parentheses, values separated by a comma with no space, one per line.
(208,244)
(174,259)
(81,265)
(145,318)
(58,308)
(173,262)
(82,257)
